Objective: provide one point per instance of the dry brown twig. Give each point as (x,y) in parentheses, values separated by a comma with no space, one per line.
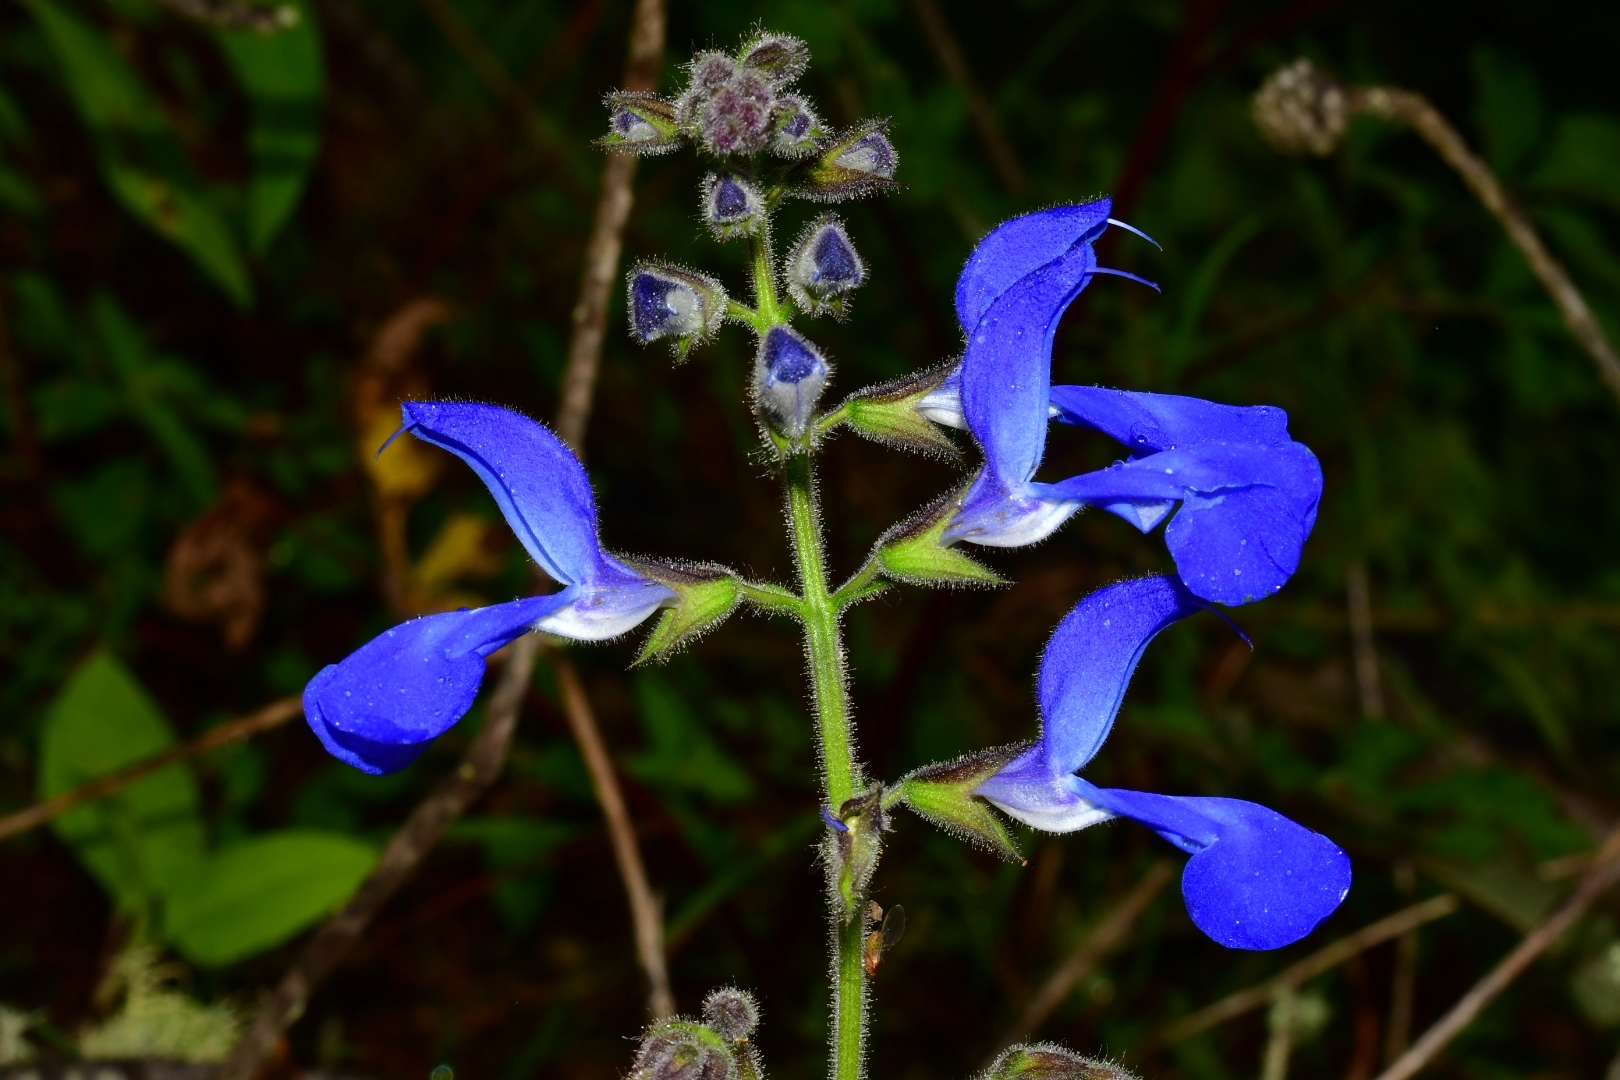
(271,716)
(1103,939)
(1602,876)
(1324,959)
(236,14)
(485,759)
(948,52)
(1303,110)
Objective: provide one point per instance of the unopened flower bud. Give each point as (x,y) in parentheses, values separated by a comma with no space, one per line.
(859,162)
(671,302)
(732,206)
(1048,1061)
(1302,110)
(789,376)
(823,267)
(795,131)
(778,57)
(640,124)
(736,118)
(682,1050)
(731,1013)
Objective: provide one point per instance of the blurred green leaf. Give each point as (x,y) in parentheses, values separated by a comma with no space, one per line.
(282,75)
(141,156)
(681,755)
(516,850)
(1510,111)
(260,892)
(1584,160)
(143,839)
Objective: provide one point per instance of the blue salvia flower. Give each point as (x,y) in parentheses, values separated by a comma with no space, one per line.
(1248,491)
(381,707)
(1256,880)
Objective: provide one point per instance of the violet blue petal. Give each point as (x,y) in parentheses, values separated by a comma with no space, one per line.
(382,706)
(1256,879)
(1152,422)
(1019,247)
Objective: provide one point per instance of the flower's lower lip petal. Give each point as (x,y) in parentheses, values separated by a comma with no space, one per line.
(1256,880)
(409,684)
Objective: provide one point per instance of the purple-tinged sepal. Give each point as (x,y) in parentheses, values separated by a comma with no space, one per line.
(789,376)
(1256,879)
(862,161)
(678,1049)
(705,595)
(796,130)
(897,413)
(943,795)
(672,302)
(823,268)
(640,123)
(916,551)
(778,57)
(732,206)
(1048,1061)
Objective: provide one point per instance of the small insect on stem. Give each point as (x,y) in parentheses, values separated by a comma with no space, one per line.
(889,930)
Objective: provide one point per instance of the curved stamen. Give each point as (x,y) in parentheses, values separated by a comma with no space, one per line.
(1133,229)
(1127,274)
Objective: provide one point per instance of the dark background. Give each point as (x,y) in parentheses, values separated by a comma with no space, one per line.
(1470,452)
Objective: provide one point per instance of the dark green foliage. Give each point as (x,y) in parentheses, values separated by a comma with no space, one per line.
(1471,457)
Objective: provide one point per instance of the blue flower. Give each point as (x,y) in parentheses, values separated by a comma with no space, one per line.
(380,707)
(1248,491)
(1256,880)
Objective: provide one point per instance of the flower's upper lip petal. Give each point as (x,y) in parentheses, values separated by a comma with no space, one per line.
(1256,879)
(1006,373)
(409,684)
(1017,248)
(1150,422)
(538,483)
(1089,661)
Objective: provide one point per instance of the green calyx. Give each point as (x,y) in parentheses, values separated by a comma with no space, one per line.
(857,847)
(704,595)
(888,414)
(1048,1061)
(914,551)
(943,794)
(684,1050)
(640,123)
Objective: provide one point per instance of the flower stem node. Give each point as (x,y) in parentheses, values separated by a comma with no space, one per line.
(1048,1061)
(898,413)
(916,551)
(789,375)
(860,162)
(823,268)
(672,302)
(682,1050)
(705,595)
(942,794)
(856,847)
(640,123)
(731,1013)
(732,206)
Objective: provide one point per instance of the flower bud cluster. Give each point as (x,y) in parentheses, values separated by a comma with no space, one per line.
(716,1049)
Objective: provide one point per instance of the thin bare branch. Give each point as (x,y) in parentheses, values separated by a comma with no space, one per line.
(1324,959)
(419,835)
(1362,643)
(646,913)
(271,716)
(948,52)
(1103,939)
(236,14)
(1414,109)
(1605,871)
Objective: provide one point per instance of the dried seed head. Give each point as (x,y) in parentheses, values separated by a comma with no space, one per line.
(1302,110)
(732,1013)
